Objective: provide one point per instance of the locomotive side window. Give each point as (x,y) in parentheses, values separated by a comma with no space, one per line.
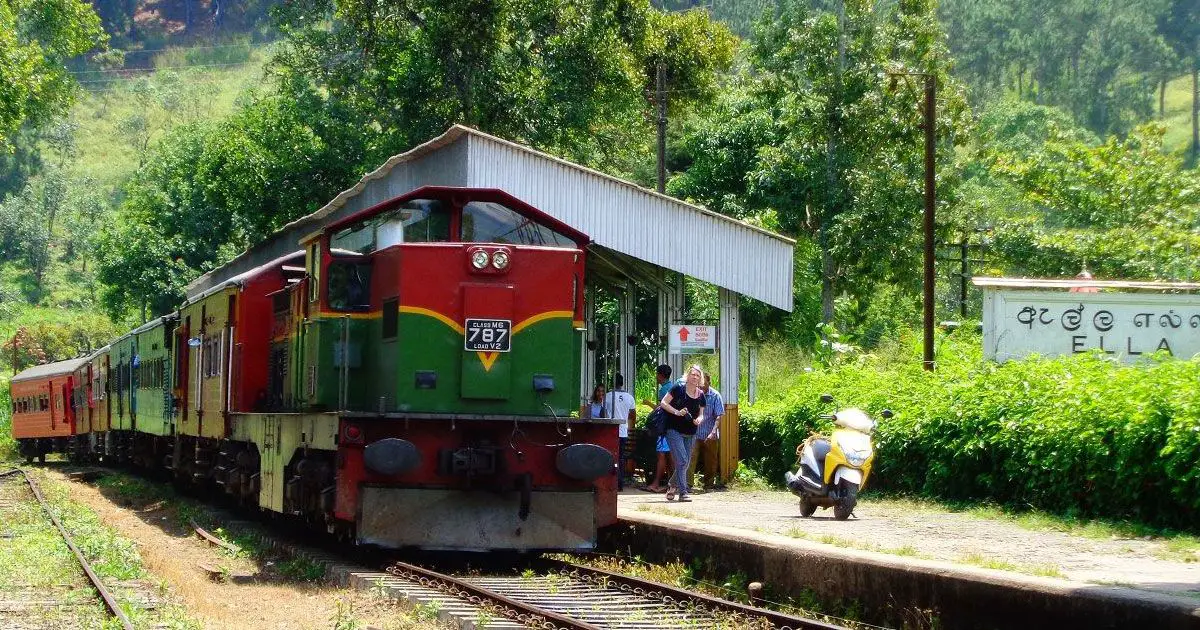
(391,318)
(489,222)
(417,221)
(350,286)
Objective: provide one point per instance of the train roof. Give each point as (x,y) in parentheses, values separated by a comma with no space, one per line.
(49,369)
(619,217)
(150,325)
(244,276)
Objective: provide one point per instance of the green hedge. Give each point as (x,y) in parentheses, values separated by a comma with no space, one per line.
(1080,436)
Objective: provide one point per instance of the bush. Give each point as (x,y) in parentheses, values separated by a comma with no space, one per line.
(1080,436)
(8,446)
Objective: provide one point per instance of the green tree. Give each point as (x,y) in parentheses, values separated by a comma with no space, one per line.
(817,137)
(1098,59)
(562,76)
(1060,199)
(37,37)
(356,82)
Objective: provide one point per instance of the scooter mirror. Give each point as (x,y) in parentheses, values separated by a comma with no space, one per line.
(826,398)
(887,413)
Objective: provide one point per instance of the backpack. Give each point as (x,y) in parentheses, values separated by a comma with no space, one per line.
(656,423)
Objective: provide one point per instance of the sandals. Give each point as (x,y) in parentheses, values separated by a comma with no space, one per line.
(671,494)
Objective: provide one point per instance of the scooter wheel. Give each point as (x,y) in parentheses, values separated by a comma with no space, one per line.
(807,507)
(845,506)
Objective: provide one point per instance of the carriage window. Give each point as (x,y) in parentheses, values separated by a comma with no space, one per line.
(391,318)
(350,286)
(416,221)
(488,222)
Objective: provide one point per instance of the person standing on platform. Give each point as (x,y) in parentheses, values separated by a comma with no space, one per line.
(596,404)
(620,404)
(708,437)
(685,404)
(662,374)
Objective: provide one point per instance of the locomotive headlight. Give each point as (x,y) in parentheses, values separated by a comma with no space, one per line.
(479,259)
(500,260)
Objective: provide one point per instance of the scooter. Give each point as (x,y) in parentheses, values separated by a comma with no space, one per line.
(832,470)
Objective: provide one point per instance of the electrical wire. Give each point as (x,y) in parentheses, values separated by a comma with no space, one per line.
(155,69)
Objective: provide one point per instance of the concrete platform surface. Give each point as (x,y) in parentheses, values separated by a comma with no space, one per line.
(918,531)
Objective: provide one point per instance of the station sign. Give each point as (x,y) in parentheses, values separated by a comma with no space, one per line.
(1127,326)
(692,339)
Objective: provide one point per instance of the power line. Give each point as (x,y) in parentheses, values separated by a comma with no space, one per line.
(185,48)
(132,79)
(147,70)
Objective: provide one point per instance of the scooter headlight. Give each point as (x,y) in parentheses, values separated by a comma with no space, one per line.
(858,458)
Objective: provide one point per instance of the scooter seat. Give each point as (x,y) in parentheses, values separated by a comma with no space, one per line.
(820,449)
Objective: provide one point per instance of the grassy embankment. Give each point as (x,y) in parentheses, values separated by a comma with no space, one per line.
(38,561)
(1177,114)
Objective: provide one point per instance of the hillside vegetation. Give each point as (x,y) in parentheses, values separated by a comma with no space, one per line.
(1080,436)
(200,128)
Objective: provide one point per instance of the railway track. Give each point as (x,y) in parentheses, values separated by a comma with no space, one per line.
(564,596)
(539,593)
(110,603)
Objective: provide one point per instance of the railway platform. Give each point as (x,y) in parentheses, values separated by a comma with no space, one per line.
(968,569)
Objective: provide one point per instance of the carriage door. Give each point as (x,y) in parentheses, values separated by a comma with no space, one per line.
(69,404)
(180,382)
(487,336)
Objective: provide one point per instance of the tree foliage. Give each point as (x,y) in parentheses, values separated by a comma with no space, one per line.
(1099,60)
(1059,199)
(356,82)
(826,143)
(567,77)
(37,37)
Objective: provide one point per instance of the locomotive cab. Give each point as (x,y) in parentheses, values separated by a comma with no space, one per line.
(443,330)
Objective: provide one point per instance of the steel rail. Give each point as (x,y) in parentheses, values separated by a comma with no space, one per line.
(700,601)
(516,610)
(109,601)
(213,540)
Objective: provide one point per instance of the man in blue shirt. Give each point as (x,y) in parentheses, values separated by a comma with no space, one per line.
(662,374)
(708,436)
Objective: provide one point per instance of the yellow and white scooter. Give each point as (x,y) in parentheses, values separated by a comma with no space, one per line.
(832,470)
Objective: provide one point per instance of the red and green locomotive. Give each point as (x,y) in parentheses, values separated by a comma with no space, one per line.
(408,378)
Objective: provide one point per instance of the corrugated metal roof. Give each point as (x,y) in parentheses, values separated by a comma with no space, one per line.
(616,214)
(49,369)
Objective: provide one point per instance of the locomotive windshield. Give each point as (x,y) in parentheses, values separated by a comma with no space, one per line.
(350,285)
(489,222)
(416,221)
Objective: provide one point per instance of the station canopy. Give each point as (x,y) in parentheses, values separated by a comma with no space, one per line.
(636,233)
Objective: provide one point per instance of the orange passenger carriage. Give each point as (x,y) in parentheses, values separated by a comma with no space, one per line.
(44,417)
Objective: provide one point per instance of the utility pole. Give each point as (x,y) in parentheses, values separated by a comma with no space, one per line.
(661,98)
(962,278)
(930,149)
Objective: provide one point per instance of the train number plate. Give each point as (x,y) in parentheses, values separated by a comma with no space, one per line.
(488,335)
